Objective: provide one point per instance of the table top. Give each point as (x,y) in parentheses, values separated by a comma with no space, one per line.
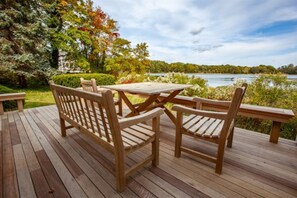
(147,88)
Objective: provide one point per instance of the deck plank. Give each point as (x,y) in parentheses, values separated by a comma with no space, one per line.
(27,147)
(1,160)
(10,185)
(41,186)
(56,185)
(68,180)
(37,161)
(26,187)
(91,176)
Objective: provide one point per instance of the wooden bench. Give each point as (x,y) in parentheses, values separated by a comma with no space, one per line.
(95,115)
(19,97)
(277,115)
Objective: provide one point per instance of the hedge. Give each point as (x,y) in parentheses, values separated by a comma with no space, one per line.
(8,104)
(73,80)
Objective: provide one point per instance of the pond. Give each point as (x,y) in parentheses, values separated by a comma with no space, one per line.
(215,80)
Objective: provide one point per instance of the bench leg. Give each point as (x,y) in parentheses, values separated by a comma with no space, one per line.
(20,105)
(275,132)
(1,108)
(63,127)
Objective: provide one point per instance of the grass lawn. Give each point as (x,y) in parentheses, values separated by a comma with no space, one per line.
(38,97)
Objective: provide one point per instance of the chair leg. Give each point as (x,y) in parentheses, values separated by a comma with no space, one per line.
(220,157)
(178,135)
(63,127)
(230,138)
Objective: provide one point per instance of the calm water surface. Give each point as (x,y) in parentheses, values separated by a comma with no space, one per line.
(215,80)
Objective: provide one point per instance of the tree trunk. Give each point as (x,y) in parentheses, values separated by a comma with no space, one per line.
(22,81)
(55,58)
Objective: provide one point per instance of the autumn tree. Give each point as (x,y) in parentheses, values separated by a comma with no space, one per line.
(126,59)
(86,35)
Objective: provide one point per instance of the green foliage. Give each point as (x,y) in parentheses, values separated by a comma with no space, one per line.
(163,67)
(273,91)
(127,59)
(83,32)
(267,90)
(8,104)
(199,87)
(23,51)
(126,78)
(73,80)
(4,89)
(288,69)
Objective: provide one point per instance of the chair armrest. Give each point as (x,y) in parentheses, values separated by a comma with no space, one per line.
(211,114)
(126,122)
(209,101)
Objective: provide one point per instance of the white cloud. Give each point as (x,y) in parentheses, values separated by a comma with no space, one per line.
(226,29)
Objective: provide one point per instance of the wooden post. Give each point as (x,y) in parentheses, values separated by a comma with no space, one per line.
(275,132)
(20,105)
(1,108)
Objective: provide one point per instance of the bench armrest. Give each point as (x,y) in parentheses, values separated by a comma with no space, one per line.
(211,114)
(126,122)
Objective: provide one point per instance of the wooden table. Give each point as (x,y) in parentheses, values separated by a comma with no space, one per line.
(151,91)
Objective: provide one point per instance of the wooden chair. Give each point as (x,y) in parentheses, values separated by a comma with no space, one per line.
(210,126)
(95,115)
(90,85)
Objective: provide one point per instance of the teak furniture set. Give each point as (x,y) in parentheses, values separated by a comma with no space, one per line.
(95,115)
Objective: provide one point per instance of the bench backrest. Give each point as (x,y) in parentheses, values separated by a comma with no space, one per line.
(93,114)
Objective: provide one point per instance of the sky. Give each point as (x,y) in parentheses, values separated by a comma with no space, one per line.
(212,32)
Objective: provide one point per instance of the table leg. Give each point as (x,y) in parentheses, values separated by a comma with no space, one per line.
(127,101)
(143,106)
(170,115)
(275,132)
(161,103)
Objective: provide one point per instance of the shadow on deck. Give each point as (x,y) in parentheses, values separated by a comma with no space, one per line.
(36,161)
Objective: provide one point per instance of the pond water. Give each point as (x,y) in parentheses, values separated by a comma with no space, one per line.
(215,80)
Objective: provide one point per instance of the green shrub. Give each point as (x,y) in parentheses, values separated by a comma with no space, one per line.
(267,90)
(275,91)
(199,87)
(126,78)
(36,79)
(73,80)
(8,105)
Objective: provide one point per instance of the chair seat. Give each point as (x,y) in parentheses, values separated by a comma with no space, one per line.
(203,126)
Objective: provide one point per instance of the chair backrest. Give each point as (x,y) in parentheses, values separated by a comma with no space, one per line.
(91,113)
(89,85)
(234,106)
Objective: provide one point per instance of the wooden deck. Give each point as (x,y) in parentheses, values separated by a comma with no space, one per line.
(36,161)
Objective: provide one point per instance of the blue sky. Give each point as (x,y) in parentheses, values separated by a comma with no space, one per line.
(238,32)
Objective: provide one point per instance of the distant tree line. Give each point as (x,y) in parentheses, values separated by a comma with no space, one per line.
(157,66)
(288,69)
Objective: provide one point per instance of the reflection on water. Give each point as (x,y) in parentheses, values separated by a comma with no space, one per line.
(215,80)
